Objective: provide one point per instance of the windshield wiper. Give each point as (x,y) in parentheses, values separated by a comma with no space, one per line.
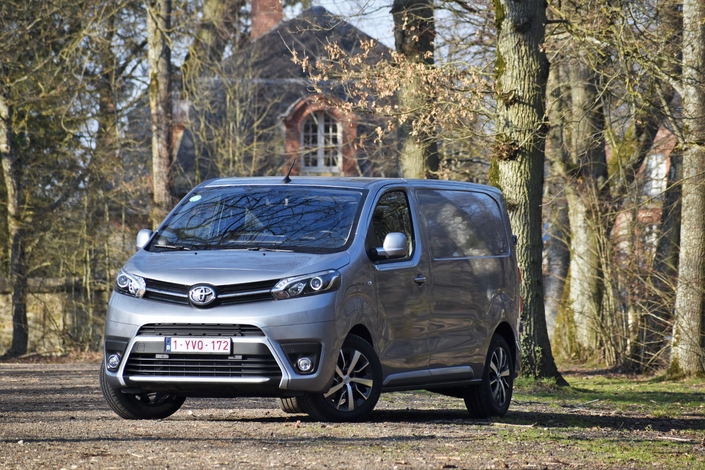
(261,248)
(173,247)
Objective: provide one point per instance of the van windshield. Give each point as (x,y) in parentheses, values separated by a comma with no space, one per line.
(268,218)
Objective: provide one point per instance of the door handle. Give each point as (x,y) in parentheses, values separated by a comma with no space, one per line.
(419,279)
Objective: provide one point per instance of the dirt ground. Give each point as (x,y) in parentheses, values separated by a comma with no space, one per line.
(54,416)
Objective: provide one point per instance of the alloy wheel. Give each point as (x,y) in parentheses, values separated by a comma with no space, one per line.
(353,381)
(499,377)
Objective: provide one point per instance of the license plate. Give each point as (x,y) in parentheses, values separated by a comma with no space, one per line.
(202,345)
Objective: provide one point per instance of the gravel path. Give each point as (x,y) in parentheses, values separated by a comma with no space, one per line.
(54,416)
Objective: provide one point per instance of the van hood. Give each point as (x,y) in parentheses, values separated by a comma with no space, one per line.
(229,267)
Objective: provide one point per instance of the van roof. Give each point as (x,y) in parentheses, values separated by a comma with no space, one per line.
(347,182)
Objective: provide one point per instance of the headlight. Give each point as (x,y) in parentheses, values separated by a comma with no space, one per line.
(129,284)
(310,284)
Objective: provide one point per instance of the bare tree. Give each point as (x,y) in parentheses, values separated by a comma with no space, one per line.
(521,74)
(219,25)
(618,101)
(414,35)
(160,103)
(557,252)
(586,194)
(27,69)
(686,350)
(18,263)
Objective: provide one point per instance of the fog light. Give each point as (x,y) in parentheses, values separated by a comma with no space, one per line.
(113,362)
(304,364)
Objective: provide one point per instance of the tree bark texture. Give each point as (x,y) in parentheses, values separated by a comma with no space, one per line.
(521,75)
(686,346)
(159,58)
(18,261)
(414,36)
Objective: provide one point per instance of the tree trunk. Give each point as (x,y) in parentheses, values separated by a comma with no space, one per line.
(414,35)
(18,261)
(666,256)
(588,161)
(159,58)
(98,190)
(521,74)
(557,251)
(585,291)
(558,256)
(686,347)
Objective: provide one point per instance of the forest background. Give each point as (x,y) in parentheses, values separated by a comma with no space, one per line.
(589,115)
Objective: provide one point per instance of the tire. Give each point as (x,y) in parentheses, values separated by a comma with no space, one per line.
(357,384)
(493,395)
(291,405)
(146,405)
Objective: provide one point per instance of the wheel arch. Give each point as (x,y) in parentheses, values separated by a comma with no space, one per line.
(506,332)
(363,332)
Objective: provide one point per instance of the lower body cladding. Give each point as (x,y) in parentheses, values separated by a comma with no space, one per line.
(245,361)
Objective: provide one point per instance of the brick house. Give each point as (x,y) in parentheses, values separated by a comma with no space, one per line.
(279,118)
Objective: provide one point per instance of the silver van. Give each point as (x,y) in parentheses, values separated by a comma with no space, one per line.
(323,292)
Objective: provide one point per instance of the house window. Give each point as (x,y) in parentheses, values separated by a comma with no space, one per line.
(321,144)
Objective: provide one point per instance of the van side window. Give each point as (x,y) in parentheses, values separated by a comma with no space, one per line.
(463,224)
(391,214)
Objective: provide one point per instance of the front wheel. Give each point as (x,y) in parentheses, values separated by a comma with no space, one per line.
(356,387)
(291,405)
(145,405)
(492,396)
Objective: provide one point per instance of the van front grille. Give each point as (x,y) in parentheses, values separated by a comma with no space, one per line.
(191,365)
(225,295)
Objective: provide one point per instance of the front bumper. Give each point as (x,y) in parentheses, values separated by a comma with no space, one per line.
(257,365)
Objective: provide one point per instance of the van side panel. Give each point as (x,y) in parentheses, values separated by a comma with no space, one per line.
(470,265)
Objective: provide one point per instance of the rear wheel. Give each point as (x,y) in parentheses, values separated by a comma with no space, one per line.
(144,405)
(357,384)
(493,395)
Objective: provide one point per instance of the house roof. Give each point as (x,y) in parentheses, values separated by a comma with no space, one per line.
(270,55)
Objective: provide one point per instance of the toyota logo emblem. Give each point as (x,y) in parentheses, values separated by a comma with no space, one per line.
(201,295)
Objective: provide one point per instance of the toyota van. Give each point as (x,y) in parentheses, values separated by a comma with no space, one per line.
(322,292)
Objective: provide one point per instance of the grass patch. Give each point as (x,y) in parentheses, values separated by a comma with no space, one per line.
(611,420)
(602,420)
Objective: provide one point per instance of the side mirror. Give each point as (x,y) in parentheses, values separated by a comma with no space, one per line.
(143,237)
(395,246)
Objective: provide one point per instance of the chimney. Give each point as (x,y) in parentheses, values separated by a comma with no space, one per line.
(266,14)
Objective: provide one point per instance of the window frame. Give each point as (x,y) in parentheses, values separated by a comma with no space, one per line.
(322,138)
(504,247)
(412,240)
